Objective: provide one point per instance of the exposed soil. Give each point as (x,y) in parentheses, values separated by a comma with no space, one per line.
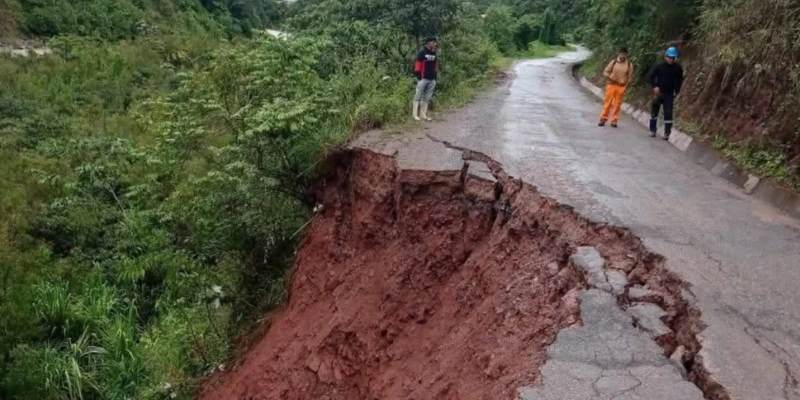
(436,285)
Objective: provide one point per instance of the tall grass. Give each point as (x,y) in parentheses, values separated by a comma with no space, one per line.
(154,193)
(538,49)
(744,83)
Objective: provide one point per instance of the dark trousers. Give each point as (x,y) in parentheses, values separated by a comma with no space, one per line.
(668,100)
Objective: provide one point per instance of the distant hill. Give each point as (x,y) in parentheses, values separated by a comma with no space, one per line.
(122,19)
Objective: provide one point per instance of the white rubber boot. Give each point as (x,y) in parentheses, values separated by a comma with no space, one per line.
(415,110)
(424,111)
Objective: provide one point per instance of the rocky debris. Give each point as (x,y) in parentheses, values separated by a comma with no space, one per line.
(639,293)
(605,358)
(677,358)
(590,261)
(481,170)
(479,182)
(553,268)
(617,280)
(648,317)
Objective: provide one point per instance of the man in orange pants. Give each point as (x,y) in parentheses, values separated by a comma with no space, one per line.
(618,74)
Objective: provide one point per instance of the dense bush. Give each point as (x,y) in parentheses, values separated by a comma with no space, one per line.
(745,78)
(499,25)
(9,18)
(120,19)
(154,185)
(514,35)
(415,18)
(646,28)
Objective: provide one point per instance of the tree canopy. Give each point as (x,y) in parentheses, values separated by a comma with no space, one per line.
(154,172)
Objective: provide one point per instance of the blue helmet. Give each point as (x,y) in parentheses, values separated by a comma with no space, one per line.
(672,52)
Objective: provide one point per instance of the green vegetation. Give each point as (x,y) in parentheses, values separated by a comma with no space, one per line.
(540,50)
(755,157)
(154,167)
(741,58)
(125,19)
(747,79)
(531,35)
(154,180)
(522,30)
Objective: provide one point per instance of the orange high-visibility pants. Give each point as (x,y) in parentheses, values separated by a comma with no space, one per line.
(614,95)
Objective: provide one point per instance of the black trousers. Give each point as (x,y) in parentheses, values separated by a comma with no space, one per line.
(668,101)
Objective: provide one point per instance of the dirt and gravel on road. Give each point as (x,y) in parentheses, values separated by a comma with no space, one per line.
(414,284)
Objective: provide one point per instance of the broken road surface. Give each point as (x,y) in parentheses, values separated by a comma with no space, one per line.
(456,281)
(456,261)
(739,255)
(608,358)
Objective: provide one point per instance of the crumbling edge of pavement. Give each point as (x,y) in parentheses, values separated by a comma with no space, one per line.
(701,153)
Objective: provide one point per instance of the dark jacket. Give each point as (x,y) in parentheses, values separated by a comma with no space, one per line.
(668,78)
(427,65)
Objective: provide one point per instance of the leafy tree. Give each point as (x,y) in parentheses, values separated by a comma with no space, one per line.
(417,18)
(499,24)
(122,19)
(154,175)
(527,29)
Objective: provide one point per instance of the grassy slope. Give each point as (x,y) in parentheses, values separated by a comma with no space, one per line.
(113,245)
(540,50)
(9,15)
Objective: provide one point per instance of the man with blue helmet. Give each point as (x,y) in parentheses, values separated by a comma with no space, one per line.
(666,80)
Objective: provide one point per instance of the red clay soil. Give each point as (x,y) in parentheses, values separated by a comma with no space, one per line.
(428,285)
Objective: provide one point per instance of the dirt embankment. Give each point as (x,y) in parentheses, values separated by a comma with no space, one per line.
(434,285)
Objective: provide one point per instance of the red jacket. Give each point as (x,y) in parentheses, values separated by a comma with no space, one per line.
(427,65)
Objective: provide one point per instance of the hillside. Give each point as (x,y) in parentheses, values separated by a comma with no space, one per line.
(125,19)
(155,166)
(154,170)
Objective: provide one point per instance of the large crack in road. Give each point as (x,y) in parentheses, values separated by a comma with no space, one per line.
(465,283)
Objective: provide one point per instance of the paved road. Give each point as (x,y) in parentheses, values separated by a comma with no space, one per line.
(607,358)
(742,256)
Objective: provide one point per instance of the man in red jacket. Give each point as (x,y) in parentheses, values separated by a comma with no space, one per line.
(426,69)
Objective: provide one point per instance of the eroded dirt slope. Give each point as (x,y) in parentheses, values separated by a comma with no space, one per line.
(434,285)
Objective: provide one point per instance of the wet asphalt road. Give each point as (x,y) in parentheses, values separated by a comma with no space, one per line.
(741,256)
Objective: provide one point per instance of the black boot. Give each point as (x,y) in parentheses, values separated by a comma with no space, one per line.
(602,123)
(653,126)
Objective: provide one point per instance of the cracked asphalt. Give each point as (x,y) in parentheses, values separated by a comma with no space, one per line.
(741,256)
(608,358)
(613,353)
